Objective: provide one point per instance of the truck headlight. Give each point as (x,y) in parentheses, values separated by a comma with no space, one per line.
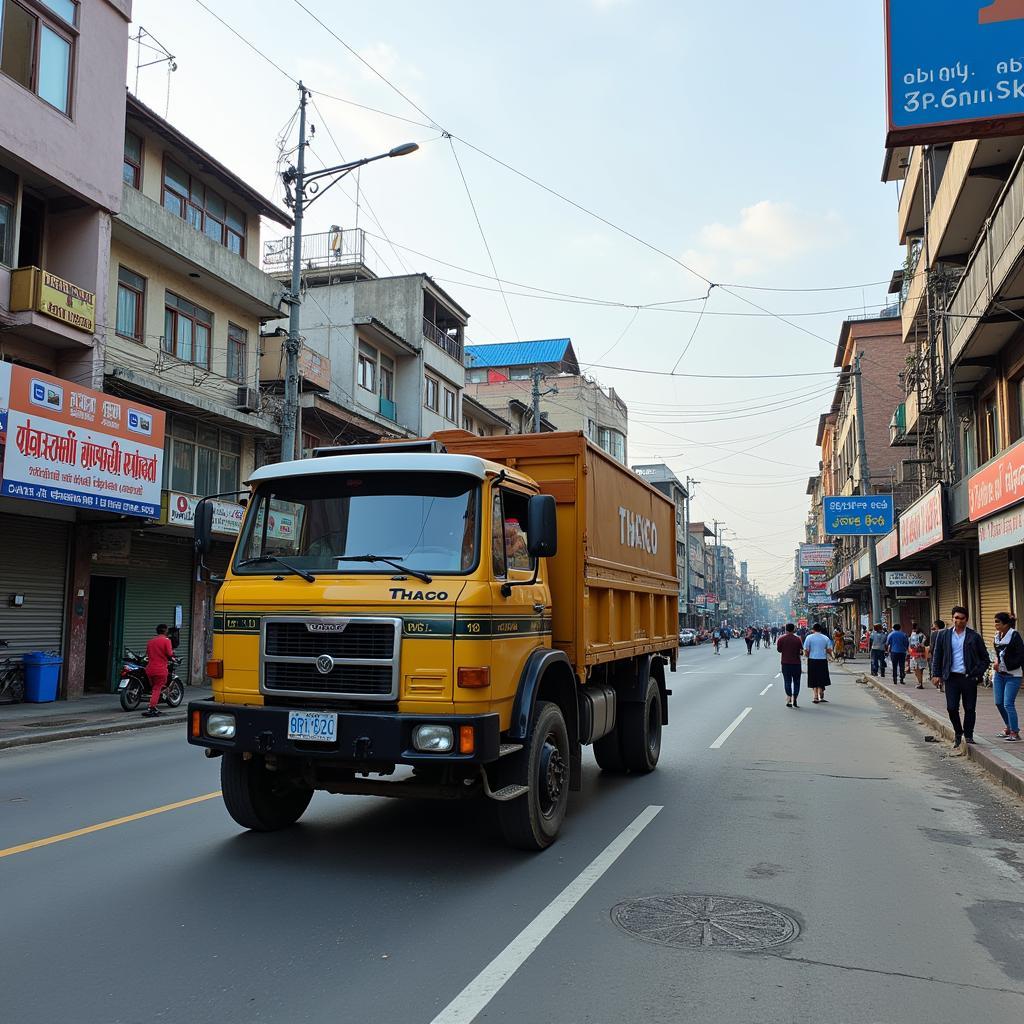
(433,738)
(220,726)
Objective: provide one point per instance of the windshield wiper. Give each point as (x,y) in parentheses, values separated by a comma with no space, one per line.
(307,576)
(388,561)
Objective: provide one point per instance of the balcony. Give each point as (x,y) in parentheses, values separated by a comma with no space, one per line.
(448,340)
(337,249)
(911,209)
(50,310)
(914,306)
(975,328)
(145,226)
(898,427)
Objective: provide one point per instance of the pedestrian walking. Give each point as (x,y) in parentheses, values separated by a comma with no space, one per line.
(757,638)
(765,636)
(839,644)
(159,653)
(1009,670)
(816,647)
(877,643)
(897,643)
(918,663)
(748,639)
(715,640)
(959,660)
(791,649)
(937,626)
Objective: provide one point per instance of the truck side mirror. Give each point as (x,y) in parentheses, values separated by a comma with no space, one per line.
(203,526)
(541,526)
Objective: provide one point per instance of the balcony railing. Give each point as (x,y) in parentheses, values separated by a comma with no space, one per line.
(994,256)
(345,247)
(450,343)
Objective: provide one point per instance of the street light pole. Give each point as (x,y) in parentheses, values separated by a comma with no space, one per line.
(306,189)
(865,485)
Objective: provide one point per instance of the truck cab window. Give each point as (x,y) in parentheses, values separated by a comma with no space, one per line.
(517,555)
(497,538)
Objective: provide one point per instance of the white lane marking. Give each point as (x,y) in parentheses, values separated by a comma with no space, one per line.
(732,728)
(485,986)
(766,689)
(777,674)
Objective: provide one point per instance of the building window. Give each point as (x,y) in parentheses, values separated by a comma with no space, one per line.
(520,373)
(613,442)
(187,330)
(990,427)
(132,172)
(201,459)
(131,295)
(450,405)
(238,345)
(467,423)
(430,394)
(8,201)
(35,48)
(366,372)
(478,376)
(387,378)
(204,209)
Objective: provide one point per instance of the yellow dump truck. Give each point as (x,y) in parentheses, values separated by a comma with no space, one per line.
(455,617)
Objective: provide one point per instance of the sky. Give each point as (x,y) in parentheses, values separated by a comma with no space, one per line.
(692,142)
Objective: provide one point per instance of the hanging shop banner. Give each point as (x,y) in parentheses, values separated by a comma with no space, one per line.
(181,511)
(821,599)
(998,484)
(922,525)
(858,516)
(70,445)
(888,547)
(5,398)
(1005,530)
(908,578)
(955,70)
(815,556)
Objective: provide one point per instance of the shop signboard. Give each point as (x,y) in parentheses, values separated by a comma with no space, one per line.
(70,445)
(802,623)
(1005,530)
(922,525)
(181,511)
(888,547)
(908,578)
(998,484)
(954,70)
(815,556)
(858,515)
(5,398)
(820,599)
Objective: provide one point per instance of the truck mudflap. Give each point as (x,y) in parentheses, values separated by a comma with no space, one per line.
(370,737)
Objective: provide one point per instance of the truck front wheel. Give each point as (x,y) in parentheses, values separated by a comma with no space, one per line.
(640,731)
(262,800)
(532,821)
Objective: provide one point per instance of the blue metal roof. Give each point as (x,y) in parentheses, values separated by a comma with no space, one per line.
(520,353)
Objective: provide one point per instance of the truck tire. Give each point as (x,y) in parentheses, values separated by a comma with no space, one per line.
(608,752)
(260,800)
(531,822)
(640,731)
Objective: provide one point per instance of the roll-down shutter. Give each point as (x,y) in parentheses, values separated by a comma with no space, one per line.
(948,584)
(33,564)
(994,591)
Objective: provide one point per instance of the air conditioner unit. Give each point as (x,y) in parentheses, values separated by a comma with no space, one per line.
(248,400)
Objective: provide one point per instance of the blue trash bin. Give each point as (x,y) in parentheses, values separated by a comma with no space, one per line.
(42,676)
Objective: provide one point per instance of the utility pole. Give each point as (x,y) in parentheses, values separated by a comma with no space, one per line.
(290,413)
(690,484)
(537,376)
(718,572)
(865,485)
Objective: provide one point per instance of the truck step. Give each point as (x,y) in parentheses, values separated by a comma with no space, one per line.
(509,748)
(507,793)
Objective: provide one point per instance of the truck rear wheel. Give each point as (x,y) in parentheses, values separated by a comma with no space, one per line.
(532,821)
(608,752)
(640,731)
(258,799)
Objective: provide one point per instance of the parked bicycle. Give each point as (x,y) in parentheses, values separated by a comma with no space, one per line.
(12,679)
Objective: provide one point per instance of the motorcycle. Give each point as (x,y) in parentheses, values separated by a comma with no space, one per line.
(135,685)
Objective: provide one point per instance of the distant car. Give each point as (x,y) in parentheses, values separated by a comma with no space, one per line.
(687,638)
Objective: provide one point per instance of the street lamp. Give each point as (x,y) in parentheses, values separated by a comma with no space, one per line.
(302,190)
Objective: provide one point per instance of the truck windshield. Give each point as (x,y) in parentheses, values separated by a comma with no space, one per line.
(428,522)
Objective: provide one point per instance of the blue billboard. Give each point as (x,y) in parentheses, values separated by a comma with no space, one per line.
(858,516)
(955,69)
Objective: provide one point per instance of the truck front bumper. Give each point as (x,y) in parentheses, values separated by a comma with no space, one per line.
(363,737)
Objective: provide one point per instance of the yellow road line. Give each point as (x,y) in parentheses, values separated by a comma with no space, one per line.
(25,847)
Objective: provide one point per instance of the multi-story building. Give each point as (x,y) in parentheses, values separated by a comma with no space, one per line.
(701,574)
(395,345)
(61,134)
(501,377)
(662,478)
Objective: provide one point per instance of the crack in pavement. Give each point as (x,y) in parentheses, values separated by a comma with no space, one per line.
(822,775)
(896,974)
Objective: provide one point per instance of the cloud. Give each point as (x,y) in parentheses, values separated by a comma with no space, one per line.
(768,234)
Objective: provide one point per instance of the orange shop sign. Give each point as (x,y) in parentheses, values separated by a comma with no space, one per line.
(998,484)
(921,526)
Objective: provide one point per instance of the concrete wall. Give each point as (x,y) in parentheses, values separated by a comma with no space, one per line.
(82,153)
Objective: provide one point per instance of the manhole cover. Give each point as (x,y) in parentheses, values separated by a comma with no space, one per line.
(51,723)
(724,922)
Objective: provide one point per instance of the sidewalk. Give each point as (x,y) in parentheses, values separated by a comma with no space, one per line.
(1004,761)
(94,715)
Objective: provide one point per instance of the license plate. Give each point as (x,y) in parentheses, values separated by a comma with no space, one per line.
(315,726)
(123,685)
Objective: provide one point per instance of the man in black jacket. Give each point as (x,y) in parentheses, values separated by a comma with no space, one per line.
(959,660)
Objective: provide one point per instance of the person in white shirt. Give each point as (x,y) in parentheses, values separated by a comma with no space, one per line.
(816,647)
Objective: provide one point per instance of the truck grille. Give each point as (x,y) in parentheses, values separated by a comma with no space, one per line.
(335,657)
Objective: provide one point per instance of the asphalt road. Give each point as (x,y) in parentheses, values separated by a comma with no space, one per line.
(902,869)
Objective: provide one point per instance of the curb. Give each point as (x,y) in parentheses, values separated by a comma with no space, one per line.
(98,729)
(1007,774)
